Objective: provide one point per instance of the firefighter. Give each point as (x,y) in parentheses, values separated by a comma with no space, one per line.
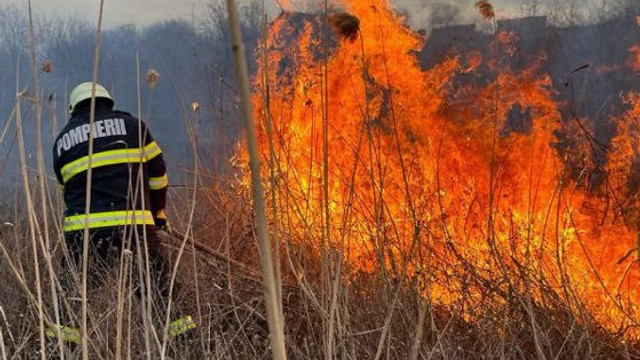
(128,194)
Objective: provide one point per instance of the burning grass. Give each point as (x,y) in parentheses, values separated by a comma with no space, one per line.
(635,61)
(417,216)
(431,185)
(233,325)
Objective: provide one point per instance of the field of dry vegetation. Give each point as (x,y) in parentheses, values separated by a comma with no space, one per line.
(402,215)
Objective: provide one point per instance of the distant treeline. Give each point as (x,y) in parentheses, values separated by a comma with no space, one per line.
(193,59)
(194,62)
(589,64)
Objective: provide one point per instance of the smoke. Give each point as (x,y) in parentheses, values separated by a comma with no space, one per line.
(438,13)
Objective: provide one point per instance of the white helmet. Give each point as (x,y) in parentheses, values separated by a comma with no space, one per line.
(83,92)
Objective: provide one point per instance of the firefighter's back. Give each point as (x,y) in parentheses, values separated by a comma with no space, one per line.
(118,177)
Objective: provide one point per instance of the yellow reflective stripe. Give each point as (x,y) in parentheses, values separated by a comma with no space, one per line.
(67,334)
(181,326)
(152,150)
(108,219)
(157,183)
(105,158)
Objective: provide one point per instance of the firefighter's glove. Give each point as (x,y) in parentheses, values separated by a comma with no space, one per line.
(160,219)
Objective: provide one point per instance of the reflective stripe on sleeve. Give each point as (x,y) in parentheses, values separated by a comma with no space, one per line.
(105,158)
(152,150)
(108,219)
(181,326)
(157,183)
(66,333)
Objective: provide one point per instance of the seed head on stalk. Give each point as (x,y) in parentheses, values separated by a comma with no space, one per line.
(152,78)
(486,9)
(47,67)
(195,106)
(345,25)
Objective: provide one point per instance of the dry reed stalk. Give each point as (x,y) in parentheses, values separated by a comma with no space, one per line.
(487,11)
(327,247)
(18,274)
(348,211)
(272,159)
(129,318)
(31,216)
(143,255)
(286,194)
(414,351)
(274,316)
(46,245)
(532,200)
(85,244)
(346,26)
(191,132)
(194,201)
(125,259)
(616,302)
(2,345)
(196,281)
(410,204)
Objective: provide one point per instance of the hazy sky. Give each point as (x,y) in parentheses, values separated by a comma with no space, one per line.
(142,12)
(116,12)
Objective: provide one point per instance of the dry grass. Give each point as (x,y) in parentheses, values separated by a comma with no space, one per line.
(330,310)
(234,326)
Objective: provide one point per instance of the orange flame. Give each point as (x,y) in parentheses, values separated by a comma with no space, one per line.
(419,163)
(635,61)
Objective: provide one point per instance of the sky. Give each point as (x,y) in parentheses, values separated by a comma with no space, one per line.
(116,12)
(144,12)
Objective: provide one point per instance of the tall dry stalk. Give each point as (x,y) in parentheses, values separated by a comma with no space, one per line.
(123,287)
(144,271)
(417,227)
(486,10)
(346,26)
(193,140)
(18,273)
(327,247)
(46,246)
(32,226)
(414,351)
(86,239)
(129,317)
(272,156)
(192,209)
(274,315)
(196,282)
(3,348)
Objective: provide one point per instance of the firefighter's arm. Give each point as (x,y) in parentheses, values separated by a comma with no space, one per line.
(158,180)
(56,167)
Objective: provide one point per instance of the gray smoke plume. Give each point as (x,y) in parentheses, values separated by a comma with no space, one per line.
(438,13)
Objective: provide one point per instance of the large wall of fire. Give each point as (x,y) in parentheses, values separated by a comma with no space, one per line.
(474,160)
